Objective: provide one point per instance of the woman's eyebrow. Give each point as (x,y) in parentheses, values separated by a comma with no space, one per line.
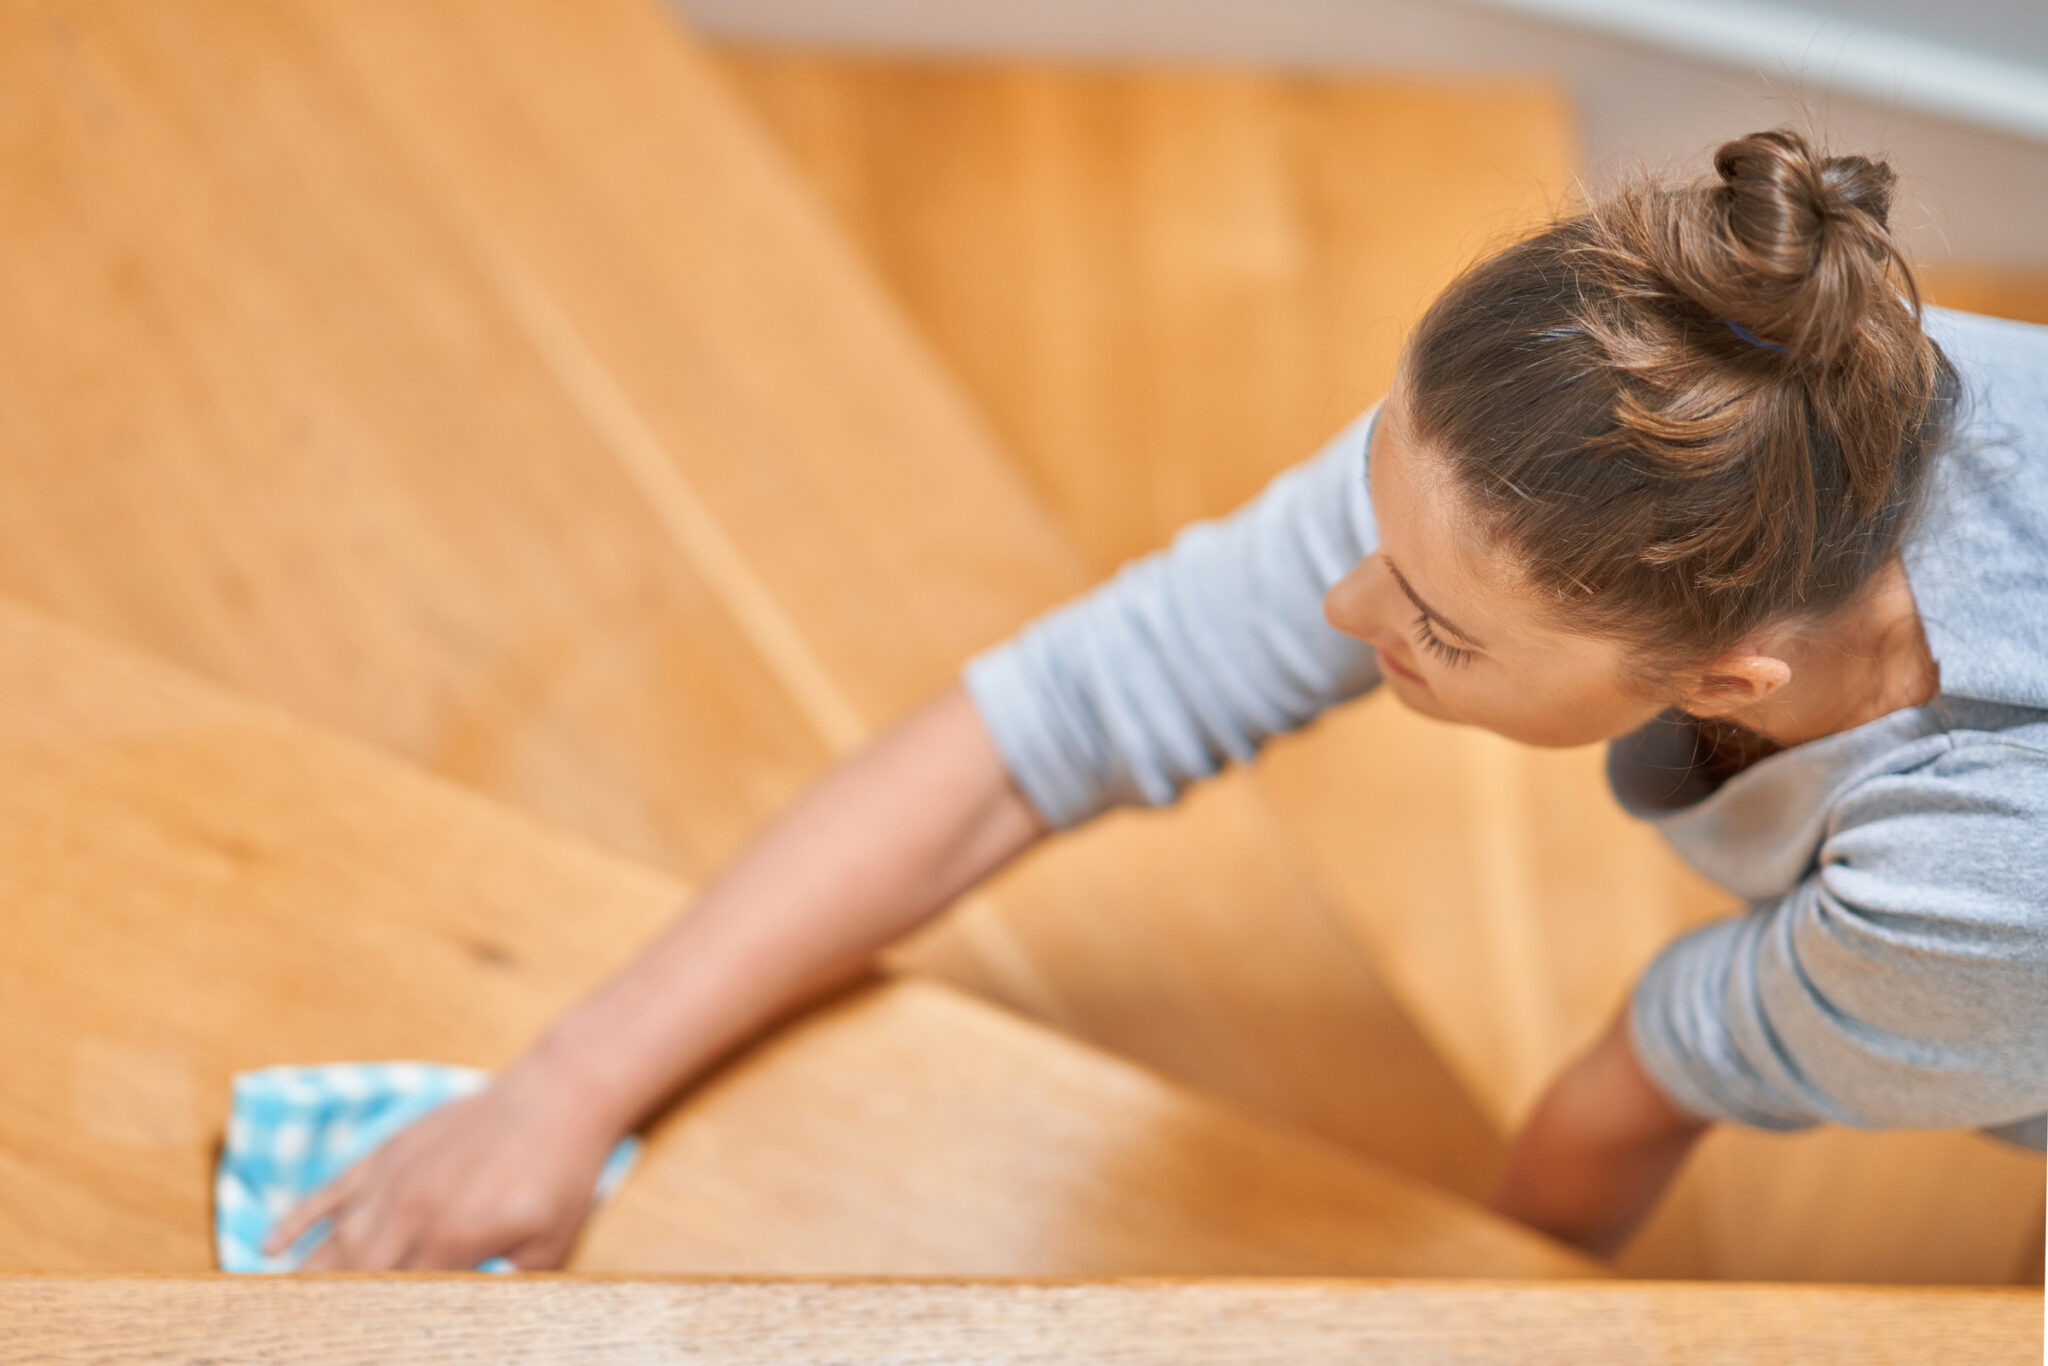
(1434,615)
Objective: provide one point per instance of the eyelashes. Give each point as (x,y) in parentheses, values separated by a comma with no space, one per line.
(1449,654)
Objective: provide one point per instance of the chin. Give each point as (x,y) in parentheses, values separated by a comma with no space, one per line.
(1565,737)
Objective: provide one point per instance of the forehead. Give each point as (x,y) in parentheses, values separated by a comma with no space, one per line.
(1427,533)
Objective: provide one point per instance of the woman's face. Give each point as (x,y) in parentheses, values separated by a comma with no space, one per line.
(1492,661)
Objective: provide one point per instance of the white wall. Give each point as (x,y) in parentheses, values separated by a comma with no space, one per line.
(1968,192)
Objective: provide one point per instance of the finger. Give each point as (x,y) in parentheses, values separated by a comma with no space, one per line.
(386,1248)
(320,1258)
(443,1254)
(361,1238)
(311,1210)
(381,1229)
(328,1256)
(552,1247)
(443,1247)
(544,1252)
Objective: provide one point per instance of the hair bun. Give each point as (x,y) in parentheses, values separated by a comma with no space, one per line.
(1776,181)
(1791,243)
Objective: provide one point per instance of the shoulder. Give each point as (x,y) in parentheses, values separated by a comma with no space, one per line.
(1959,842)
(2000,774)
(1903,982)
(1999,778)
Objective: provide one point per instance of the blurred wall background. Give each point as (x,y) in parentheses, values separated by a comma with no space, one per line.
(1956,95)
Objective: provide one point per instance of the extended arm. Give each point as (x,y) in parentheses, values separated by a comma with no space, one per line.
(877,846)
(1188,658)
(873,849)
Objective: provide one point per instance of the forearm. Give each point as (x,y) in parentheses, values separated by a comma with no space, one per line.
(874,848)
(1598,1152)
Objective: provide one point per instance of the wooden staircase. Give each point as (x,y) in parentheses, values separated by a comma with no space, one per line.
(524,486)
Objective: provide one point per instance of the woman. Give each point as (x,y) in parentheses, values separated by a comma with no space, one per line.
(1685,473)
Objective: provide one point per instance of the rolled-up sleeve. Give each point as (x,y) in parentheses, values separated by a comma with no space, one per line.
(1192,656)
(1902,984)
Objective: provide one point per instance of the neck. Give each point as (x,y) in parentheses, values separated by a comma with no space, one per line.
(1873,659)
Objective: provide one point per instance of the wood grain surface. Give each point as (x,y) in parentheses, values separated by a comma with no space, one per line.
(339,1321)
(191,885)
(475,379)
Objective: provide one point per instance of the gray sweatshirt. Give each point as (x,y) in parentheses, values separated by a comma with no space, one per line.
(1891,970)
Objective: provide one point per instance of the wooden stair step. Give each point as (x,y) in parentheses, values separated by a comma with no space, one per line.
(341,1322)
(476,379)
(191,885)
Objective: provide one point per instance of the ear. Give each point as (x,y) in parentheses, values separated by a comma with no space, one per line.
(1736,680)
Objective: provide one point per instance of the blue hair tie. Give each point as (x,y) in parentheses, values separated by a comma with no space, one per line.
(1752,338)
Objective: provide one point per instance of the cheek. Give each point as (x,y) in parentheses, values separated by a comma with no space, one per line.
(1550,709)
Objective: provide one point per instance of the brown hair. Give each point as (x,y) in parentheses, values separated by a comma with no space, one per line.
(1661,480)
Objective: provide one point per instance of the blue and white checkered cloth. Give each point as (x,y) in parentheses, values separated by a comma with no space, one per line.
(293,1130)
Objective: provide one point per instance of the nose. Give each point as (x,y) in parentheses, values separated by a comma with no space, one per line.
(1334,609)
(1344,605)
(1347,607)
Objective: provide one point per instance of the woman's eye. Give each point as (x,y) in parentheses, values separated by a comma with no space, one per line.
(1450,654)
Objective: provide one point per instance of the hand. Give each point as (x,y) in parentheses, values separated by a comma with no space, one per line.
(510,1170)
